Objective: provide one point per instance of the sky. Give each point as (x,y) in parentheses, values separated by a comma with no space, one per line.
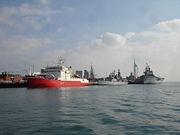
(104,33)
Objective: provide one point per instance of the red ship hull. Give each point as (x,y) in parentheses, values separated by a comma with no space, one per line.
(37,82)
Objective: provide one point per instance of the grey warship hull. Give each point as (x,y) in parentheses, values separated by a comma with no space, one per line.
(146,79)
(112,82)
(152,80)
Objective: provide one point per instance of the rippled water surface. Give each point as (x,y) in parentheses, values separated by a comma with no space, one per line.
(93,110)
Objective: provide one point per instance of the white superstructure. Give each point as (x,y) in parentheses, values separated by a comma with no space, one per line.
(61,72)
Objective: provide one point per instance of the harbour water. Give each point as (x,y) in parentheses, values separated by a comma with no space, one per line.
(92,110)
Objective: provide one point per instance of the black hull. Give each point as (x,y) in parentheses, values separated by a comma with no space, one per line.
(13,85)
(135,82)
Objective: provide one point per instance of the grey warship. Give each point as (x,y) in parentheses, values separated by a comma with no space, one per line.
(147,78)
(113,79)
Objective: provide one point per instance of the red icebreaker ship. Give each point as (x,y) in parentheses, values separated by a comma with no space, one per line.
(56,76)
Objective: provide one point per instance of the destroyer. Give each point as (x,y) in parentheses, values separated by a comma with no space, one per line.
(149,77)
(113,79)
(56,76)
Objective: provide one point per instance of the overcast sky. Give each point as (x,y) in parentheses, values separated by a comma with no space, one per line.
(105,33)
